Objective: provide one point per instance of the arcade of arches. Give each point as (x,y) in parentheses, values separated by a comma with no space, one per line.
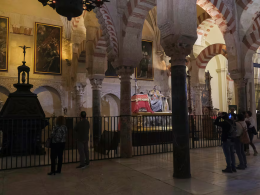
(131,46)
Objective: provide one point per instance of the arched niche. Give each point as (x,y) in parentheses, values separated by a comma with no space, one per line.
(50,100)
(110,105)
(110,110)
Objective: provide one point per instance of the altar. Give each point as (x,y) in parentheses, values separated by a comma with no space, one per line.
(152,128)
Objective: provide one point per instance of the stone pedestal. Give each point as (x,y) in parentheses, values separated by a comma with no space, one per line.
(125,112)
(96,82)
(240,87)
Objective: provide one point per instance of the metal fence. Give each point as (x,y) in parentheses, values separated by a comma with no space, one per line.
(22,142)
(153,134)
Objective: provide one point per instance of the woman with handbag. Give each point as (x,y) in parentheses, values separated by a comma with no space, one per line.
(241,139)
(251,132)
(58,139)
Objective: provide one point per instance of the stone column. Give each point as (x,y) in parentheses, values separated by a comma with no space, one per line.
(79,88)
(222,83)
(197,98)
(240,88)
(125,112)
(96,82)
(180,124)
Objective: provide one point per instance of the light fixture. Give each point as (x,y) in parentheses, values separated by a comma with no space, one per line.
(72,8)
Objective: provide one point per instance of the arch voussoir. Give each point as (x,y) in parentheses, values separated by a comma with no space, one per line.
(208,53)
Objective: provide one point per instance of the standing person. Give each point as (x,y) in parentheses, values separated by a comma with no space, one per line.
(233,114)
(251,131)
(241,127)
(82,133)
(58,139)
(226,124)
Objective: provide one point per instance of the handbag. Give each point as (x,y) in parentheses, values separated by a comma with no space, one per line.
(244,138)
(252,130)
(48,143)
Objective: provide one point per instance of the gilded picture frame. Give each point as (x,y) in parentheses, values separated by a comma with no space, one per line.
(145,69)
(4,43)
(47,49)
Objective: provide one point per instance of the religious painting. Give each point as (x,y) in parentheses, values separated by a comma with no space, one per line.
(48,48)
(4,32)
(111,71)
(144,70)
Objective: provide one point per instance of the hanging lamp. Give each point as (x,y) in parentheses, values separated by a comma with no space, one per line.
(72,8)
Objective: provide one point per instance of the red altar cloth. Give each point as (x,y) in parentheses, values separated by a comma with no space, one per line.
(140,101)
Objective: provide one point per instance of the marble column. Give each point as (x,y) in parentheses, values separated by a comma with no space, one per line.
(180,124)
(240,87)
(79,88)
(197,98)
(125,112)
(96,82)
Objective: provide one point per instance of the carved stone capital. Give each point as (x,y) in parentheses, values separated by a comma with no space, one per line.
(96,81)
(125,72)
(80,89)
(178,53)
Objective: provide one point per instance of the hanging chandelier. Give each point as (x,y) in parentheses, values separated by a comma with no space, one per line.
(72,8)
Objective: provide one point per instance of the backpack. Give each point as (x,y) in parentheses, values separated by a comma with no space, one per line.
(232,130)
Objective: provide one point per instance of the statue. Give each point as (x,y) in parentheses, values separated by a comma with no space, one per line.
(155,97)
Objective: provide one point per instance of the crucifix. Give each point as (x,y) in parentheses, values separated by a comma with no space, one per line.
(24,50)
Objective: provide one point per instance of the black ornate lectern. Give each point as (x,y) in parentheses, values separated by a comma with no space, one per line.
(22,118)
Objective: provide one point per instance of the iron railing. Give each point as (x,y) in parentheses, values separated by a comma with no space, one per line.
(153,134)
(22,142)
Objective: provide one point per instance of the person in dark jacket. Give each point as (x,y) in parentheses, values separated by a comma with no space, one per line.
(58,139)
(225,123)
(82,133)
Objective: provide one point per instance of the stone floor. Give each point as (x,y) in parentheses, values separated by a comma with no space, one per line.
(151,174)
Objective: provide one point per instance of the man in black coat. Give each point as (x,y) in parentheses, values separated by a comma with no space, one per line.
(225,123)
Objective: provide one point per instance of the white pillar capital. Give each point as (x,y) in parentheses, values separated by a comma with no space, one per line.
(80,88)
(96,81)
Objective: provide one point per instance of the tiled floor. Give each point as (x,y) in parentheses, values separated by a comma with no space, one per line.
(151,174)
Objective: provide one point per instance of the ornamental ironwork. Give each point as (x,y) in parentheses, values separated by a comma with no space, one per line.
(72,8)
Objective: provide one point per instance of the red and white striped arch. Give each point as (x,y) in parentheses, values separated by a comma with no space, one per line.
(78,21)
(244,3)
(135,14)
(136,11)
(220,13)
(252,40)
(205,27)
(109,31)
(99,46)
(256,23)
(208,53)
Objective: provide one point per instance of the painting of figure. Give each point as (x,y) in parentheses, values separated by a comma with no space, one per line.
(4,32)
(144,70)
(48,40)
(110,72)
